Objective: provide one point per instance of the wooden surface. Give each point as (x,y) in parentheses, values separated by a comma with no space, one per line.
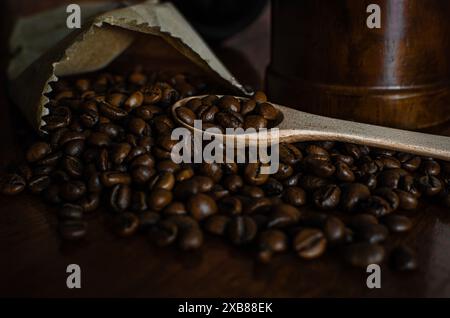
(33,260)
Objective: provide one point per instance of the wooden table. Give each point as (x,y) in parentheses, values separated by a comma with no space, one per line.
(33,259)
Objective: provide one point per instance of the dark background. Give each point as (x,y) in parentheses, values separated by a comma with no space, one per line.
(33,260)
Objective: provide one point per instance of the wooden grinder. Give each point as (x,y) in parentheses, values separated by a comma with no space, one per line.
(325,60)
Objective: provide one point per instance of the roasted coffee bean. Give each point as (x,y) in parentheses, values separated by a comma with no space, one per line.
(212,170)
(120,152)
(270,242)
(43,170)
(389,179)
(230,205)
(252,191)
(359,221)
(408,184)
(319,165)
(73,148)
(205,184)
(429,185)
(334,230)
(134,100)
(184,174)
(164,233)
(217,224)
(254,175)
(283,215)
(229,120)
(344,173)
(186,115)
(147,219)
(309,243)
(267,111)
(73,166)
(38,183)
(311,183)
(272,187)
(159,198)
(431,167)
(248,106)
(11,184)
(175,208)
(397,223)
(295,196)
(126,224)
(403,258)
(284,171)
(241,230)
(289,154)
(229,103)
(363,254)
(184,189)
(255,121)
(372,233)
(71,212)
(90,202)
(141,174)
(327,197)
(72,190)
(73,230)
(317,150)
(190,238)
(411,164)
(120,197)
(111,178)
(162,180)
(353,194)
(390,196)
(376,206)
(38,151)
(112,112)
(201,206)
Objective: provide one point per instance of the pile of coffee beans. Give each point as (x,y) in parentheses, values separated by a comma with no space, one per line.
(230,112)
(108,145)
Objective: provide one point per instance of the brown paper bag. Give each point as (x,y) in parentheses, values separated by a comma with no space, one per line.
(46,52)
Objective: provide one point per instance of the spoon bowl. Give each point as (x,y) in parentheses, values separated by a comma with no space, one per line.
(298,126)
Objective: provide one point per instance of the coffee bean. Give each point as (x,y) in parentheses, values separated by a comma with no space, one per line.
(372,233)
(352,194)
(230,205)
(254,175)
(126,224)
(309,243)
(175,208)
(73,230)
(217,224)
(190,239)
(164,233)
(71,212)
(111,178)
(295,196)
(11,184)
(120,197)
(200,206)
(72,190)
(344,173)
(327,197)
(241,230)
(397,223)
(283,215)
(270,242)
(267,111)
(289,154)
(229,103)
(334,230)
(186,115)
(90,202)
(159,198)
(403,258)
(38,151)
(363,254)
(272,187)
(429,185)
(38,183)
(376,206)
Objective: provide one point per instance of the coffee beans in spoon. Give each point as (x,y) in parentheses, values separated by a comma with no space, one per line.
(108,145)
(230,112)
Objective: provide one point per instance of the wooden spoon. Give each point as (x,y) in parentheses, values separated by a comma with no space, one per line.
(299,126)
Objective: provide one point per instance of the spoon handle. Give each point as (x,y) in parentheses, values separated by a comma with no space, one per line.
(314,127)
